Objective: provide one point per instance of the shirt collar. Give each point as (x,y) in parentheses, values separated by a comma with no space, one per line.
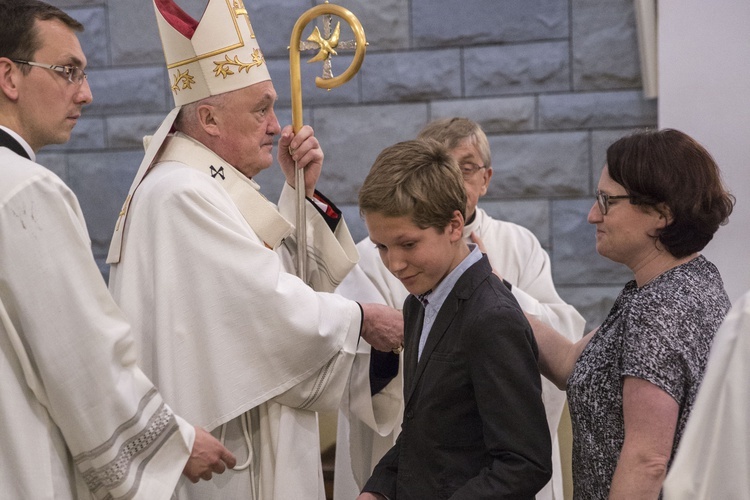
(438,294)
(472,225)
(21,142)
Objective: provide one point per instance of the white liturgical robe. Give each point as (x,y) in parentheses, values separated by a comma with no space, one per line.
(713,459)
(518,257)
(229,333)
(77,415)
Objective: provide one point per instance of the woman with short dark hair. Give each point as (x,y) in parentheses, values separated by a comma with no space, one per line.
(670,167)
(631,383)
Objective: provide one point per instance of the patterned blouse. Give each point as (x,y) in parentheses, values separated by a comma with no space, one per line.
(661,332)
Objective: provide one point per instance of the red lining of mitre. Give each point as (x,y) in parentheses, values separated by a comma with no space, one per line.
(177,18)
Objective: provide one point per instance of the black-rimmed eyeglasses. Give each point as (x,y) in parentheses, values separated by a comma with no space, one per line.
(74,74)
(603,199)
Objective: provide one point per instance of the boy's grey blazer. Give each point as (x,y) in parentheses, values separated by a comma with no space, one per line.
(474,423)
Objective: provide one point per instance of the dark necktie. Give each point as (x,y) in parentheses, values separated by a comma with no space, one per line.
(423,298)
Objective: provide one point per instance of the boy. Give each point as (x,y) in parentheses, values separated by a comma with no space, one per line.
(515,254)
(474,424)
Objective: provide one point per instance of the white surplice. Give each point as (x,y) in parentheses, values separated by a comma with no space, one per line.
(205,274)
(516,254)
(713,458)
(75,411)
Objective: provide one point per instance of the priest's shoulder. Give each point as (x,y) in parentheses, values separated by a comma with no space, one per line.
(18,172)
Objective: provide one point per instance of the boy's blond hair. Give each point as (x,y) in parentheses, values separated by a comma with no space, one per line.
(415,178)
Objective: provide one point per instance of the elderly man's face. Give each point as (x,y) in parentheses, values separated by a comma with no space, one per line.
(476,183)
(248,125)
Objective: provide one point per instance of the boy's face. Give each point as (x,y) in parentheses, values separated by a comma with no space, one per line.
(419,258)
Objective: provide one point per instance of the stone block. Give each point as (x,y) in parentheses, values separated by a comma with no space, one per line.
(411,76)
(134,37)
(273,21)
(127,131)
(354,136)
(94,38)
(600,141)
(66,4)
(88,134)
(575,260)
(440,23)
(596,110)
(385,22)
(284,115)
(312,95)
(516,69)
(354,222)
(497,115)
(101,182)
(540,164)
(56,162)
(531,214)
(605,45)
(592,302)
(129,90)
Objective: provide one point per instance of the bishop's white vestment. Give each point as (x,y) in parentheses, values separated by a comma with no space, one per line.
(76,413)
(516,254)
(713,459)
(229,335)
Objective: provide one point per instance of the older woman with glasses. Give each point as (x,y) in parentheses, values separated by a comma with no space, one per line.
(631,383)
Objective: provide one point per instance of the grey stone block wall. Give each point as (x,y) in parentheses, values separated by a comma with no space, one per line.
(553,82)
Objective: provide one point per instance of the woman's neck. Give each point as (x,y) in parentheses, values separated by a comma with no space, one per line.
(662,262)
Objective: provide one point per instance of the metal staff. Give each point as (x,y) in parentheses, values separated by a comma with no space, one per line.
(327,47)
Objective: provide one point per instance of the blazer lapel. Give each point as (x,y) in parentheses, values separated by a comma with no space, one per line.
(463,289)
(411,349)
(439,327)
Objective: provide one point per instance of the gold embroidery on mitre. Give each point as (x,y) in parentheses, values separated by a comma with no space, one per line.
(231,4)
(185,78)
(223,67)
(239,8)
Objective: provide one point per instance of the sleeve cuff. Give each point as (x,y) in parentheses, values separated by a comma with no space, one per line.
(330,212)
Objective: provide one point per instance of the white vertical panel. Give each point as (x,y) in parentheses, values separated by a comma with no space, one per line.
(645,21)
(704,90)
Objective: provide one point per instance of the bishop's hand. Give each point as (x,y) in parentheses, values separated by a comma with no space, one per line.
(303,148)
(382,327)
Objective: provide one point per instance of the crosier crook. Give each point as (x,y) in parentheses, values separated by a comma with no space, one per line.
(327,46)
